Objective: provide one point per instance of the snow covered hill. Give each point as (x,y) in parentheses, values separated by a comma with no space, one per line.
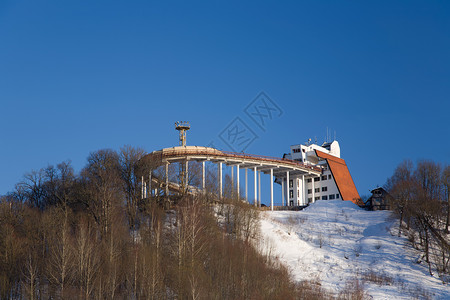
(336,243)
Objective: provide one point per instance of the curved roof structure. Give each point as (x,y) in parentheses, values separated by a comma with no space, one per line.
(244,160)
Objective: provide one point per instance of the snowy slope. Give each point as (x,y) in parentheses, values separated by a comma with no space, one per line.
(335,242)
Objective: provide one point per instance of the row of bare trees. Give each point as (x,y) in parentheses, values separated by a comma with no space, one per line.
(91,236)
(421,196)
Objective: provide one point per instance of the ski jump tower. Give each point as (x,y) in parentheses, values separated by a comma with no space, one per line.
(182,127)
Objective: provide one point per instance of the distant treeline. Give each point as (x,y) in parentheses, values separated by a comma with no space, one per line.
(92,236)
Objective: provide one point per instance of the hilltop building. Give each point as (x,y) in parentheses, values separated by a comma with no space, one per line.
(308,173)
(334,183)
(380,200)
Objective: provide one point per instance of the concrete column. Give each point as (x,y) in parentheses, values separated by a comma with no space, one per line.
(271,189)
(219,171)
(305,195)
(246,184)
(256,185)
(282,191)
(287,190)
(237,181)
(203,176)
(167,179)
(232,181)
(150,183)
(259,188)
(145,189)
(186,179)
(142,187)
(313,192)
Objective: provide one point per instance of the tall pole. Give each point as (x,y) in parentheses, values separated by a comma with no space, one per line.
(304,190)
(142,187)
(150,183)
(232,181)
(246,184)
(186,179)
(282,191)
(219,170)
(313,192)
(237,181)
(288,197)
(271,189)
(259,188)
(256,185)
(167,179)
(203,176)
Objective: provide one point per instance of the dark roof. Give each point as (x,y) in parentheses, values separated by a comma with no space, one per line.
(378,188)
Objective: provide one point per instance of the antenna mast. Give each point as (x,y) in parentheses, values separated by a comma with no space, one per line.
(182,127)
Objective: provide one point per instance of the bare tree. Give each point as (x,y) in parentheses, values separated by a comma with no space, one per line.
(400,186)
(60,263)
(130,172)
(446,192)
(12,245)
(59,183)
(31,189)
(87,258)
(102,186)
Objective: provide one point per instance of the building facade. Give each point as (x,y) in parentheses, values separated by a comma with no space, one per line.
(334,183)
(380,200)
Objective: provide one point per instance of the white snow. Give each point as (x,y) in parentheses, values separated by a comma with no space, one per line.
(336,242)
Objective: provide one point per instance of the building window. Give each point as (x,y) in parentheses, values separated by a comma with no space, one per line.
(316,178)
(331,196)
(317,190)
(296,150)
(324,177)
(291,194)
(324,198)
(324,189)
(309,180)
(291,183)
(329,176)
(317,198)
(309,191)
(337,196)
(309,200)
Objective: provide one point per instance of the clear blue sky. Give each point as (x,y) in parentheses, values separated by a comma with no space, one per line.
(78,76)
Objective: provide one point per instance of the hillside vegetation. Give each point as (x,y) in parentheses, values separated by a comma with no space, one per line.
(92,236)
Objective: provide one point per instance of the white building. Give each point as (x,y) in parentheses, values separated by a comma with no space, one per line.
(334,183)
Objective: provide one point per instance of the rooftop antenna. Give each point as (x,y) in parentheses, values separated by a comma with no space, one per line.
(182,127)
